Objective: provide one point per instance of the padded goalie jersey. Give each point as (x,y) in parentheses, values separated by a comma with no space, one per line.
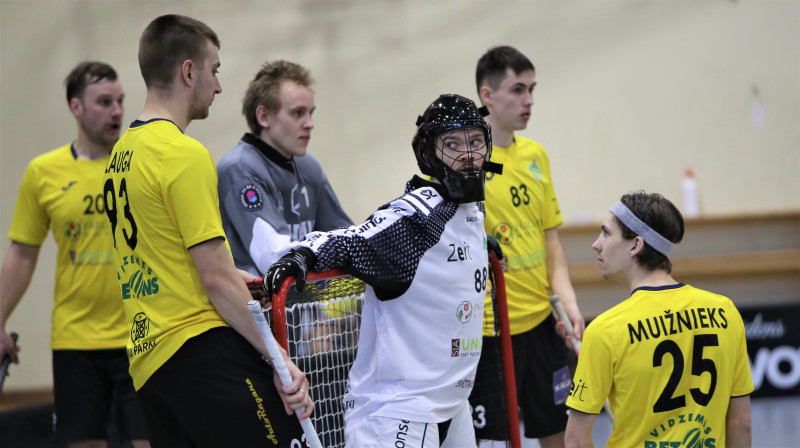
(268,203)
(425,261)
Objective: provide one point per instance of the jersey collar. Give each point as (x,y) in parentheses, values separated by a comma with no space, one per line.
(137,123)
(658,288)
(418,182)
(269,152)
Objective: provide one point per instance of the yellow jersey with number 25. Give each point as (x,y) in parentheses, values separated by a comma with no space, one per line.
(669,359)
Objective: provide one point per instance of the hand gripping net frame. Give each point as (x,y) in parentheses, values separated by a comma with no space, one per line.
(319,328)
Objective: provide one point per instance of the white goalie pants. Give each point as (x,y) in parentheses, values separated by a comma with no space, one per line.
(383,432)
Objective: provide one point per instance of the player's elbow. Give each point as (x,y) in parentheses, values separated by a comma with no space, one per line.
(213,283)
(739,433)
(738,425)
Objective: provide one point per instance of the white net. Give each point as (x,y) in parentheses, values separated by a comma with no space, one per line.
(322,325)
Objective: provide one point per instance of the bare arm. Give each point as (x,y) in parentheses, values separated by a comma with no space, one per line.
(579,430)
(14,280)
(738,426)
(558,275)
(226,289)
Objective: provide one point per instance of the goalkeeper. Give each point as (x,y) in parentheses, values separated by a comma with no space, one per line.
(424,258)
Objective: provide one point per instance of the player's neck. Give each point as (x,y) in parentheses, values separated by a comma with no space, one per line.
(501,137)
(168,108)
(638,277)
(85,148)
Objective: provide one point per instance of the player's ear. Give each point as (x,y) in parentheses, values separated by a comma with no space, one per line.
(638,246)
(76,107)
(485,94)
(186,71)
(262,116)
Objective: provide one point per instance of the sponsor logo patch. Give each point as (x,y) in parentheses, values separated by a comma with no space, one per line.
(464,312)
(251,197)
(72,230)
(503,233)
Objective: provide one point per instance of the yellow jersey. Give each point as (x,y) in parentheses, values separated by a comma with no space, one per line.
(61,191)
(520,205)
(669,359)
(161,196)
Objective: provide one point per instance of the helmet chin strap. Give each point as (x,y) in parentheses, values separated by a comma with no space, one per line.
(491,167)
(462,187)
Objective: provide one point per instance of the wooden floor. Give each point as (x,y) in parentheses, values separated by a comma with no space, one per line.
(10,400)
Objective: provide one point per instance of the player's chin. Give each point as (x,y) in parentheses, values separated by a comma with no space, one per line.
(301,149)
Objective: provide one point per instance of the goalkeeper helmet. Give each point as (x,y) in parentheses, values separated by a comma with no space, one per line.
(447,149)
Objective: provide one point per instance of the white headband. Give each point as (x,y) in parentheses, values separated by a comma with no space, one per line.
(650,236)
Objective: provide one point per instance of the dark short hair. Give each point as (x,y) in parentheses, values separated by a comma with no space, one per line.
(84,74)
(660,215)
(264,89)
(492,66)
(168,41)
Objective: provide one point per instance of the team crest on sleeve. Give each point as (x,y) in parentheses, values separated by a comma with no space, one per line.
(251,197)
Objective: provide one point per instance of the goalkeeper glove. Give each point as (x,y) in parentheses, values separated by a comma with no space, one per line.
(294,264)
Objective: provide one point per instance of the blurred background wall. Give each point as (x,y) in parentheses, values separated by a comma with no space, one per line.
(630,93)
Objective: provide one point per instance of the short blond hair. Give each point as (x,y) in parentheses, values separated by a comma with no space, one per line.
(264,89)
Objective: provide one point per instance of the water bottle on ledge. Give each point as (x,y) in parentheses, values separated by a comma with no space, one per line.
(691,204)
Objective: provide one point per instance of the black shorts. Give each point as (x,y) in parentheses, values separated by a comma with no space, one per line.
(216,391)
(541,368)
(90,388)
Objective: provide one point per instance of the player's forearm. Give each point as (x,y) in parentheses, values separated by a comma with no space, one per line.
(738,424)
(558,277)
(229,296)
(226,289)
(15,277)
(579,430)
(558,270)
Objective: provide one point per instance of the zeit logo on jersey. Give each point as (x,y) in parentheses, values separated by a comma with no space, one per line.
(459,253)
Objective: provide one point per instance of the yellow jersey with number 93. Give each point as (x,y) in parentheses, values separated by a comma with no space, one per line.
(160,189)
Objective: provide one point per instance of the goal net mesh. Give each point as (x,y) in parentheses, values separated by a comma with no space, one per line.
(322,326)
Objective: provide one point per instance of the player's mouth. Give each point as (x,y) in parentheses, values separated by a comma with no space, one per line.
(305,138)
(526,116)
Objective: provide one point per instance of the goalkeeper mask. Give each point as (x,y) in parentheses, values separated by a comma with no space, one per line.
(453,144)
